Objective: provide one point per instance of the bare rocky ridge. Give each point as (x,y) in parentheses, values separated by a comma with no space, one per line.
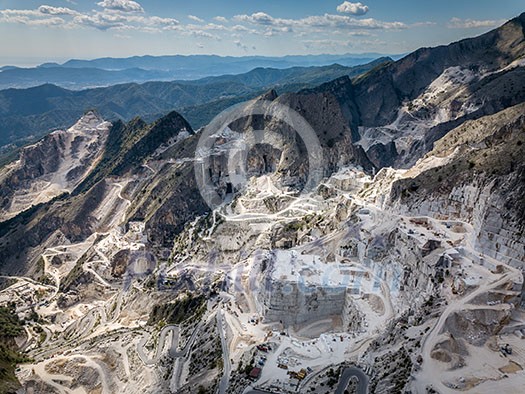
(381,93)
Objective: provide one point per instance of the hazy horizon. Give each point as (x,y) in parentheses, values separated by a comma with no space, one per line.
(58,30)
(30,62)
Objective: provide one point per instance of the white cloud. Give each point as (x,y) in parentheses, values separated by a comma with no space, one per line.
(261,18)
(213,26)
(115,15)
(113,20)
(347,22)
(100,21)
(320,21)
(10,12)
(241,28)
(195,18)
(457,23)
(199,45)
(157,20)
(272,31)
(121,5)
(352,8)
(202,33)
(32,18)
(50,10)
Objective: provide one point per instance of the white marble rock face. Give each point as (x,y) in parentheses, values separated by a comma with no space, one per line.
(294,304)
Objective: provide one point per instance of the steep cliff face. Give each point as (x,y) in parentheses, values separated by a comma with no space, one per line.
(476,173)
(54,165)
(331,111)
(380,93)
(117,187)
(332,114)
(403,107)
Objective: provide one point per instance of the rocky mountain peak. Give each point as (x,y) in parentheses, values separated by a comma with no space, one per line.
(91,120)
(270,95)
(174,122)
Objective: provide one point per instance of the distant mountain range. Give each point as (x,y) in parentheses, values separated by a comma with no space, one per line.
(80,74)
(27,114)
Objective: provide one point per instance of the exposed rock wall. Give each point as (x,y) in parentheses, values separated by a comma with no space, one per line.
(292,303)
(479,178)
(54,165)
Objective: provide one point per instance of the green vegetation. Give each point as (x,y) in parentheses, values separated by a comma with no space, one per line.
(178,311)
(128,144)
(10,325)
(293,226)
(10,328)
(360,78)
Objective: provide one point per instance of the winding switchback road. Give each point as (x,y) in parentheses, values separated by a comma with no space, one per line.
(349,373)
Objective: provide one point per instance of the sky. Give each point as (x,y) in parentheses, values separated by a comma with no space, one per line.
(37,31)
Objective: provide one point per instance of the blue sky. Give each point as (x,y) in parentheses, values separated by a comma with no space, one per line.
(54,30)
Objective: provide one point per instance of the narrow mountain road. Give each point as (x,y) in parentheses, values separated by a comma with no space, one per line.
(349,373)
(225,379)
(175,330)
(428,373)
(126,200)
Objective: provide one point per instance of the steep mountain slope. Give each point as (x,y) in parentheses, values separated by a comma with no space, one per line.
(475,173)
(418,99)
(97,198)
(56,164)
(407,78)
